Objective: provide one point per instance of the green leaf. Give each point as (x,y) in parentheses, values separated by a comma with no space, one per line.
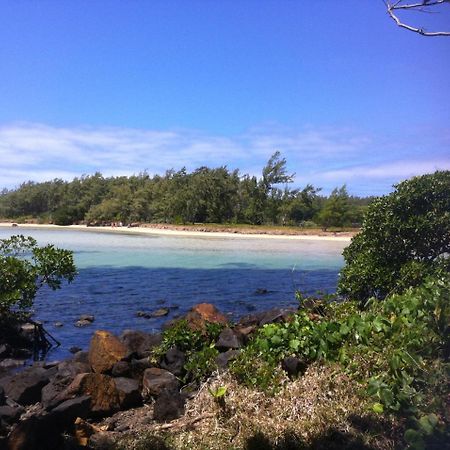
(378,408)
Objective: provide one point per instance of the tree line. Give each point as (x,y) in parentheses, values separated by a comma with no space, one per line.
(206,195)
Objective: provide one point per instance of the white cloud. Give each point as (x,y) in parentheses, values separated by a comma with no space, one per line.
(323,156)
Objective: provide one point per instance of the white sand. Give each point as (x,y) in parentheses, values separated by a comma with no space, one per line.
(167,232)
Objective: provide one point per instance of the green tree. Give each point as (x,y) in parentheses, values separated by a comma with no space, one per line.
(336,212)
(405,236)
(25,268)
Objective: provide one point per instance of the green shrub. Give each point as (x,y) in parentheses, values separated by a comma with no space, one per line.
(405,237)
(25,268)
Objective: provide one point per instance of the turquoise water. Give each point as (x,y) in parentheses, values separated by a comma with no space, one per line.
(122,274)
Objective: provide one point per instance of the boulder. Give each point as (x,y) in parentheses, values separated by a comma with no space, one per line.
(51,393)
(25,387)
(66,412)
(169,405)
(223,359)
(5,351)
(202,313)
(129,392)
(138,366)
(105,350)
(273,315)
(2,396)
(100,388)
(140,343)
(72,368)
(174,361)
(36,433)
(10,414)
(81,357)
(156,381)
(121,369)
(229,339)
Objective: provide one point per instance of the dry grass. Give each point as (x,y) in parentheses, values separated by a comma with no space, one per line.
(321,409)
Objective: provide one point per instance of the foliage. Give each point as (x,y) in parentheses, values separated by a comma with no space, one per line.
(25,268)
(198,347)
(206,195)
(389,347)
(405,236)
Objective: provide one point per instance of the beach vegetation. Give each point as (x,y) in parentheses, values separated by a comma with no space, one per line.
(25,267)
(205,195)
(405,237)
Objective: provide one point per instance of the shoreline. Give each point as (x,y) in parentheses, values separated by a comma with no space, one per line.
(180,231)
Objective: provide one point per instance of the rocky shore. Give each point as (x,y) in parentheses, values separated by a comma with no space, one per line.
(116,385)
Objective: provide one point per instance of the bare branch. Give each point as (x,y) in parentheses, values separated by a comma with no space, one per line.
(421,6)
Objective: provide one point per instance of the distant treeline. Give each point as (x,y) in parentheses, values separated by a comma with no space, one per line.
(202,196)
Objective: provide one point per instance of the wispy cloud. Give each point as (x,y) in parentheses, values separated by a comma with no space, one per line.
(323,156)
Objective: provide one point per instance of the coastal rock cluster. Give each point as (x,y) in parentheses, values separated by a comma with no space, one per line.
(55,405)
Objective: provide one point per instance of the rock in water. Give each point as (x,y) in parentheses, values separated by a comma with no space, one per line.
(105,350)
(202,313)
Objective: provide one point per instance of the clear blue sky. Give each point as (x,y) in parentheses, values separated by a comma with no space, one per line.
(124,86)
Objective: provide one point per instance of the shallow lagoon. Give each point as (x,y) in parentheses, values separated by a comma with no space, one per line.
(120,274)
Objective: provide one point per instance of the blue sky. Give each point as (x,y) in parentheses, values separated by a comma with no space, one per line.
(121,87)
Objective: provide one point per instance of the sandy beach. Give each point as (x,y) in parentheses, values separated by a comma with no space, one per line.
(174,230)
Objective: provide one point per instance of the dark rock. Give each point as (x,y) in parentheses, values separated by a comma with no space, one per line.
(82,323)
(274,315)
(143,314)
(51,393)
(173,361)
(58,324)
(140,343)
(161,312)
(72,368)
(223,359)
(2,396)
(121,369)
(75,349)
(229,339)
(66,412)
(129,392)
(138,366)
(25,387)
(294,366)
(261,291)
(204,313)
(10,363)
(81,357)
(11,414)
(169,405)
(87,317)
(36,433)
(157,380)
(5,351)
(102,441)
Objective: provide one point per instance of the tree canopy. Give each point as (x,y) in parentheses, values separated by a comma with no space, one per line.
(25,267)
(405,236)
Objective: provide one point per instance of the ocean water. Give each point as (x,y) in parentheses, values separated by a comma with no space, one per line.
(121,274)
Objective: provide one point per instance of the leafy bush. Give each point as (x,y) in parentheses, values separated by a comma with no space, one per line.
(388,347)
(25,268)
(405,237)
(199,347)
